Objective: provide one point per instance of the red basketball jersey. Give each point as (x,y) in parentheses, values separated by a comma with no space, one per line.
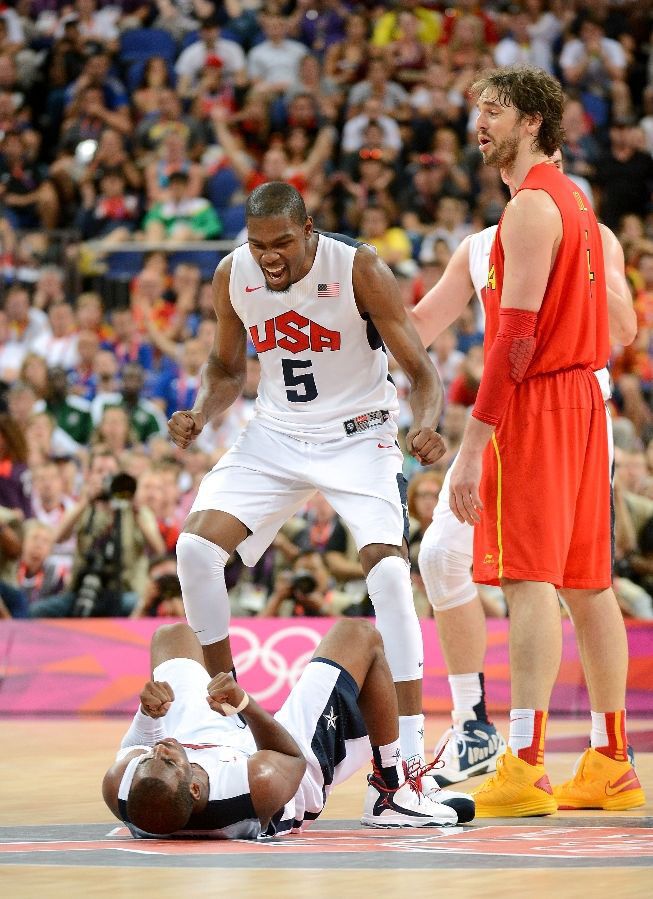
(572,324)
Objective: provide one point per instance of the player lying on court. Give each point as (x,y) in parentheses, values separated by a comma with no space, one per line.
(320,310)
(185,768)
(446,551)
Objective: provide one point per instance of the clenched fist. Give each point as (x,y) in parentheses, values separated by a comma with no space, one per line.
(224,689)
(184,427)
(425,444)
(156,698)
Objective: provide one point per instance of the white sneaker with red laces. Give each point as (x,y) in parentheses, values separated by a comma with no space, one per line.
(403,806)
(423,776)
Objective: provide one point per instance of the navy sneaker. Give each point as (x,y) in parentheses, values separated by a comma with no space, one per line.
(467,751)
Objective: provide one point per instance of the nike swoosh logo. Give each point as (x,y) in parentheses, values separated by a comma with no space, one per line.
(250,289)
(631,784)
(382,446)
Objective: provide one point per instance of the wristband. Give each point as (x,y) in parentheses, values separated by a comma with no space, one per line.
(230,710)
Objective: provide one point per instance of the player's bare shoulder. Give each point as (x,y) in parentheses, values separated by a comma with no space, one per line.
(531,220)
(222,274)
(530,206)
(371,278)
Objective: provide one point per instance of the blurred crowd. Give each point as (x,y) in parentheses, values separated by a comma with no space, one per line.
(130,135)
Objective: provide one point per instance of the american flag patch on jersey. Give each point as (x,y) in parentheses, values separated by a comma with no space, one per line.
(328,290)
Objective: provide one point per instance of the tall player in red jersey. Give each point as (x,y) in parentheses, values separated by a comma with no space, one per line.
(532,472)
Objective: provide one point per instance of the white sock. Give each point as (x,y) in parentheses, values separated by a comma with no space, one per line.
(599,735)
(522,723)
(200,565)
(466,692)
(411,736)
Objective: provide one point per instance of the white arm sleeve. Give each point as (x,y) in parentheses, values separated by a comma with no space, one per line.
(143,731)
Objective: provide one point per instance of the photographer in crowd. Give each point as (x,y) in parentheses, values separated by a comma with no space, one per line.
(113,538)
(162,596)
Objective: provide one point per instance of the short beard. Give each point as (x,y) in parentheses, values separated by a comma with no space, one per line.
(504,154)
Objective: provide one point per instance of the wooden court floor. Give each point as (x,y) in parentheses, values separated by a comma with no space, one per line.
(55,836)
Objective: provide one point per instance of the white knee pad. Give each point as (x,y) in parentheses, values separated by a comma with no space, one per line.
(200,566)
(388,584)
(446,574)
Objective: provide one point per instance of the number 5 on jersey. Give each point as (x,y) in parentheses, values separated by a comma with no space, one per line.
(306,381)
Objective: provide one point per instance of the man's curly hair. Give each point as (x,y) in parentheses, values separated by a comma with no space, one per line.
(531,92)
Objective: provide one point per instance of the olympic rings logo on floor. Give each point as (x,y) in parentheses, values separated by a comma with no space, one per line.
(265,657)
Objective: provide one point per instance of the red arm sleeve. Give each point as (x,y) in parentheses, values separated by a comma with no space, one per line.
(506,364)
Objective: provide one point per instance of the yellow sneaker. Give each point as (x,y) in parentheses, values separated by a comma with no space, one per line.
(600,782)
(515,790)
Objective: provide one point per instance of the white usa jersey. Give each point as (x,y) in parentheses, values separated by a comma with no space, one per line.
(479,246)
(324,370)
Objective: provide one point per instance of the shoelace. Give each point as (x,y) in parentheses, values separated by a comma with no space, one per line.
(415,776)
(457,745)
(494,778)
(375,779)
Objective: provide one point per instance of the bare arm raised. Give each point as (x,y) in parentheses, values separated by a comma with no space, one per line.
(445,301)
(377,294)
(223,374)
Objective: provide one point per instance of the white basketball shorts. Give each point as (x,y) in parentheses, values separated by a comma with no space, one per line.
(267,476)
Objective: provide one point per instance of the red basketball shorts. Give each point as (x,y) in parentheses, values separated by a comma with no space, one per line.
(546,487)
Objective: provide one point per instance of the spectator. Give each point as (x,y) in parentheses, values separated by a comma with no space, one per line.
(391,96)
(26,324)
(144,417)
(590,62)
(110,214)
(14,476)
(464,388)
(183,217)
(39,575)
(34,373)
(391,243)
(450,226)
(146,98)
(156,129)
(625,176)
(519,47)
(192,60)
(446,357)
(273,65)
(345,59)
(305,591)
(276,166)
(113,431)
(50,504)
(162,594)
(110,564)
(71,413)
(12,352)
(179,392)
(59,348)
(28,197)
(82,378)
(388,26)
(423,492)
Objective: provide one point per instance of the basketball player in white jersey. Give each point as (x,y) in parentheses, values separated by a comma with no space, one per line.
(445,557)
(185,768)
(318,311)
